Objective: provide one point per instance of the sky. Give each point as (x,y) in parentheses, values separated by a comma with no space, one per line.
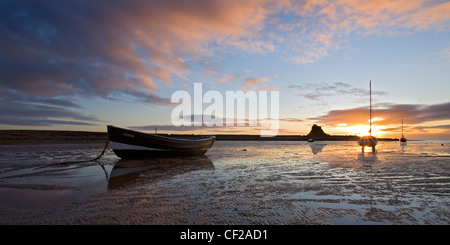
(82,65)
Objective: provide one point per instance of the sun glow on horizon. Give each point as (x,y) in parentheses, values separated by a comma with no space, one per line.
(363,130)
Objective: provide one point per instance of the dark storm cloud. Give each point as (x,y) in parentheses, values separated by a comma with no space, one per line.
(54,48)
(19,109)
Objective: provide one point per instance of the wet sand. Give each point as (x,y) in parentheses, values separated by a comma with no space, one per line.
(236,183)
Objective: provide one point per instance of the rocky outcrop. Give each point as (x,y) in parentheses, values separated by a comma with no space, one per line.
(317,132)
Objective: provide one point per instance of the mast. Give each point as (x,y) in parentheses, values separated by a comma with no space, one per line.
(369,140)
(370,107)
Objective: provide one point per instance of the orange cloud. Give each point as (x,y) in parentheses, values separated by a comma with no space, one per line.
(326,24)
(258,84)
(435,17)
(253,80)
(227,78)
(388,117)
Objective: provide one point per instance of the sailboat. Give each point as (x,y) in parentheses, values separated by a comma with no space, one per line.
(369,140)
(403,139)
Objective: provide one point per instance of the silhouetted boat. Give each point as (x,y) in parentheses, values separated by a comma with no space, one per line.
(133,144)
(369,140)
(402,139)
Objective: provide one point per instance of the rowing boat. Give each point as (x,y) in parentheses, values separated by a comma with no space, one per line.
(128,143)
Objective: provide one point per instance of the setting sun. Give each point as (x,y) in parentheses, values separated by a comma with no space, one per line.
(362,130)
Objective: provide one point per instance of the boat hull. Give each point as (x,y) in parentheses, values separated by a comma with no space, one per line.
(133,144)
(370,141)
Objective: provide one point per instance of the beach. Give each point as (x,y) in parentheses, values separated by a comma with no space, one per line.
(235,183)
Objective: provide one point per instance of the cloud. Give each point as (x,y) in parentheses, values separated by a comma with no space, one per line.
(53,51)
(319,27)
(35,111)
(317,91)
(227,78)
(253,80)
(423,128)
(219,125)
(94,48)
(292,119)
(253,83)
(388,114)
(431,17)
(26,121)
(20,109)
(193,129)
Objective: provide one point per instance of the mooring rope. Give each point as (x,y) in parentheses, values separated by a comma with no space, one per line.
(68,162)
(90,160)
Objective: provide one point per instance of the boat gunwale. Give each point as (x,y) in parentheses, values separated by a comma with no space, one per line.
(195,139)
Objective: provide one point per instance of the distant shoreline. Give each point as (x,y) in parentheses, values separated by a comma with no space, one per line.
(8,137)
(59,136)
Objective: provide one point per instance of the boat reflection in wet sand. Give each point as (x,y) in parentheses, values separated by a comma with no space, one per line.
(128,170)
(367,159)
(132,144)
(317,148)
